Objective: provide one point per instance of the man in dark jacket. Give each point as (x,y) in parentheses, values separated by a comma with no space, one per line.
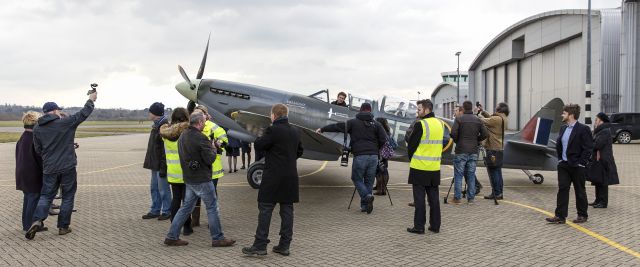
(424,181)
(28,169)
(603,171)
(367,137)
(282,145)
(197,155)
(155,161)
(574,146)
(53,140)
(467,132)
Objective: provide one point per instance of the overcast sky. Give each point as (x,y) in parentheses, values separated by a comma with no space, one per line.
(52,50)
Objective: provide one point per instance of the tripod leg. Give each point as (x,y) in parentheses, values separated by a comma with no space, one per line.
(448,192)
(386,189)
(352,195)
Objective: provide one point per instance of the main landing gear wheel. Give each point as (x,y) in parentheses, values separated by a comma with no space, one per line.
(537,178)
(254,174)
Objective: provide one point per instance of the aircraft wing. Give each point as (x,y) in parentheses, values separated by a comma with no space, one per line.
(316,146)
(531,146)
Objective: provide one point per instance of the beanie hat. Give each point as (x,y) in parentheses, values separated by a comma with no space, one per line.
(365,107)
(157,109)
(603,117)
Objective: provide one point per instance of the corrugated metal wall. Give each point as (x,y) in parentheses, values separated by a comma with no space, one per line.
(629,57)
(610,69)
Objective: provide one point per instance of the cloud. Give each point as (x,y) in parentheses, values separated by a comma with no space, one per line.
(52,50)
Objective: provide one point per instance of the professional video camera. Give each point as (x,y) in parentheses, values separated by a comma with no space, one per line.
(94,86)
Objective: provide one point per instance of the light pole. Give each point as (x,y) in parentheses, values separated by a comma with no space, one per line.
(458,79)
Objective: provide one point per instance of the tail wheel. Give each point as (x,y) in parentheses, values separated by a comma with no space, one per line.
(624,137)
(254,174)
(538,178)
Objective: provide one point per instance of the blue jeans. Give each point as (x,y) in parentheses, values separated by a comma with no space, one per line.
(29,204)
(495,177)
(363,174)
(160,194)
(207,192)
(464,165)
(67,181)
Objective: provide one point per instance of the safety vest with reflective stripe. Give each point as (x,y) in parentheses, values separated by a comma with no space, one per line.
(428,155)
(174,170)
(212,130)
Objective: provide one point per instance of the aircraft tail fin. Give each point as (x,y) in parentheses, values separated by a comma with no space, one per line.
(544,125)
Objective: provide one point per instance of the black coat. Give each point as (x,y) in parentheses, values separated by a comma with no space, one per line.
(367,135)
(603,143)
(53,139)
(420,177)
(467,131)
(195,146)
(28,165)
(282,146)
(580,145)
(155,159)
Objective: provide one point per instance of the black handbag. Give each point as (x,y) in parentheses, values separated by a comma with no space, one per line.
(494,158)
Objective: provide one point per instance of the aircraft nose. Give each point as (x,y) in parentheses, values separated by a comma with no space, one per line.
(184,89)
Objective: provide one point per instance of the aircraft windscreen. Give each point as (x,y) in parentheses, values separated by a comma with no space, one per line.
(356,102)
(399,107)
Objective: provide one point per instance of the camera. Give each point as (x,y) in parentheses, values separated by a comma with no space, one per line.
(94,86)
(344,159)
(477,103)
(194,165)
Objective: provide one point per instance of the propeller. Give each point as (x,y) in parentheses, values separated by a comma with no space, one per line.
(204,60)
(186,78)
(191,106)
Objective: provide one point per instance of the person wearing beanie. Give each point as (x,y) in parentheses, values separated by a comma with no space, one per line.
(367,137)
(155,160)
(53,140)
(603,171)
(28,170)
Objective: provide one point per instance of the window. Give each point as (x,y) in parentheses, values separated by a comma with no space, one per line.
(357,101)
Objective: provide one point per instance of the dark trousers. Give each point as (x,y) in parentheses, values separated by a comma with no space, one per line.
(29,204)
(602,193)
(264,221)
(433,197)
(178,192)
(568,175)
(50,183)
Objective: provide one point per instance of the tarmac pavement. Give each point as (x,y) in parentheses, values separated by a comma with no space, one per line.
(113,194)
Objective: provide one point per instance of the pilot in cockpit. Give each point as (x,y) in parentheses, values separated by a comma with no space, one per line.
(402,110)
(342,96)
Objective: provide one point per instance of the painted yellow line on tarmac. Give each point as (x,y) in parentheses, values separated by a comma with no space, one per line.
(316,171)
(582,229)
(110,169)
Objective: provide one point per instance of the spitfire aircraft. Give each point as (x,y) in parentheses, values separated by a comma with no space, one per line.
(244,110)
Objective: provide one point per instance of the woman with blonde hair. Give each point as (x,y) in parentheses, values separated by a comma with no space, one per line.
(28,170)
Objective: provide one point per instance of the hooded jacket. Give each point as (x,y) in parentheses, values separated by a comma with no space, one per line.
(467,131)
(367,135)
(155,159)
(53,140)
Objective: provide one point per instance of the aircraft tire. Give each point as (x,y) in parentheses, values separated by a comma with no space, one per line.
(537,178)
(254,174)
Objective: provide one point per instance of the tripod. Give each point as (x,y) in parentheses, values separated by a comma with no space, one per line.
(385,189)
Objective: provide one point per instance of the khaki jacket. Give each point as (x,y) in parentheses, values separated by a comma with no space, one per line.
(494,125)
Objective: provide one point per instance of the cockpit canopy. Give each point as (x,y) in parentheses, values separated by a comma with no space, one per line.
(391,105)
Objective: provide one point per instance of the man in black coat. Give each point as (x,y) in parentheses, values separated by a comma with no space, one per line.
(573,146)
(367,137)
(281,143)
(53,138)
(155,160)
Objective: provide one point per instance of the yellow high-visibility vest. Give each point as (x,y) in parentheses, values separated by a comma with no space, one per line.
(212,130)
(429,153)
(174,170)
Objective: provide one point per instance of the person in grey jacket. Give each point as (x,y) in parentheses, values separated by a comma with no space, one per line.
(53,140)
(467,132)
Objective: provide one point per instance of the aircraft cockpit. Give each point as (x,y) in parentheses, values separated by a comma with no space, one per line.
(398,107)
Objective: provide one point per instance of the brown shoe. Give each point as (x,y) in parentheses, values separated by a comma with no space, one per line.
(412,204)
(580,219)
(555,220)
(175,243)
(64,231)
(223,243)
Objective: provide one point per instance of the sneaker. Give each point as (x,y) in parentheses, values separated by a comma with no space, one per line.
(35,227)
(175,243)
(282,250)
(64,231)
(369,204)
(223,243)
(164,217)
(253,251)
(456,201)
(150,216)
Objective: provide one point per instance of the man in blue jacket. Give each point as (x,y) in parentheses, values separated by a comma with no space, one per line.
(53,140)
(574,146)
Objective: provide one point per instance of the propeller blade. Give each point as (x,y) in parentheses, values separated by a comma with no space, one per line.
(204,60)
(191,106)
(186,78)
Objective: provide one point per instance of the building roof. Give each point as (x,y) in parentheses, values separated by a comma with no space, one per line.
(449,73)
(440,86)
(521,24)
